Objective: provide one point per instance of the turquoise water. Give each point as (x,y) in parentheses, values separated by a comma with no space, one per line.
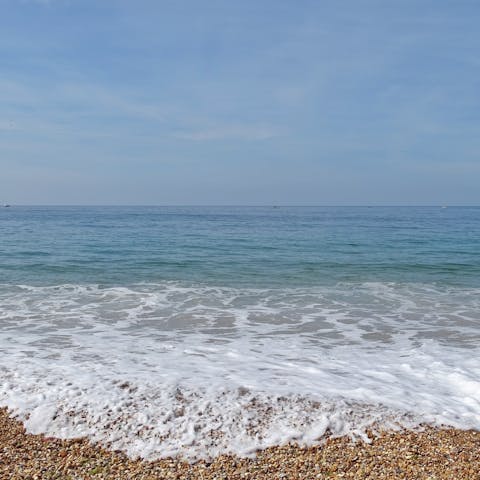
(237,246)
(195,331)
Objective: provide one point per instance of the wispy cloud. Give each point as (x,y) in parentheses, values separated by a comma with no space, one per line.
(40,2)
(306,88)
(85,104)
(226,132)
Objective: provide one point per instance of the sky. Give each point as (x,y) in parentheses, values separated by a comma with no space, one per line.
(252,102)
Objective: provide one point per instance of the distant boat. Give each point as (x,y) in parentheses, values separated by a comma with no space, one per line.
(6,205)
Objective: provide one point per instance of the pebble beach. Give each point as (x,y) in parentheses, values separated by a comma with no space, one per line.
(432,453)
(224,342)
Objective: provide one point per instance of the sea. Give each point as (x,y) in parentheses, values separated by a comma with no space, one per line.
(199,331)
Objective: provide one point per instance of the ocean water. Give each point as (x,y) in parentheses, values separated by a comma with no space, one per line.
(195,331)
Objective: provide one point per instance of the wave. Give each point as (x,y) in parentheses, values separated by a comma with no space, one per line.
(195,370)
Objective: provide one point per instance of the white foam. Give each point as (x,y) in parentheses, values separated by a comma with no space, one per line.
(159,370)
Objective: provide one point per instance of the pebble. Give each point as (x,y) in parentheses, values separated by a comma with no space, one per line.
(433,453)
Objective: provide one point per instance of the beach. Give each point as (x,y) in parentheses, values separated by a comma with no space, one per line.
(245,341)
(433,453)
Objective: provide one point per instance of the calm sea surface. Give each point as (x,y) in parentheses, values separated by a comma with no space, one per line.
(264,246)
(198,330)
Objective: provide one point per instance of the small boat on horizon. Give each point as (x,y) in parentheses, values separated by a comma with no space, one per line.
(6,205)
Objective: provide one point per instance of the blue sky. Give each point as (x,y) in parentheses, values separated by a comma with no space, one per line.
(252,102)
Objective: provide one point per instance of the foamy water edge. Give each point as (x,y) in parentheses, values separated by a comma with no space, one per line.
(166,370)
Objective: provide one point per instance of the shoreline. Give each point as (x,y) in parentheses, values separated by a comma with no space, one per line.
(433,453)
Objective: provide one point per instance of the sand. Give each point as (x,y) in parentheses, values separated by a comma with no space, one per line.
(433,453)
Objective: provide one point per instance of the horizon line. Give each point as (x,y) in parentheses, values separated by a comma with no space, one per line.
(266,205)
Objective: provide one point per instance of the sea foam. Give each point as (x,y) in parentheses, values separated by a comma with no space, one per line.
(195,370)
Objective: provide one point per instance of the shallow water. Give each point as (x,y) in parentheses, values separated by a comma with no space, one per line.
(196,331)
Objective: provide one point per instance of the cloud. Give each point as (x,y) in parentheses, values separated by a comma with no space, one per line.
(73,105)
(102,99)
(39,2)
(240,132)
